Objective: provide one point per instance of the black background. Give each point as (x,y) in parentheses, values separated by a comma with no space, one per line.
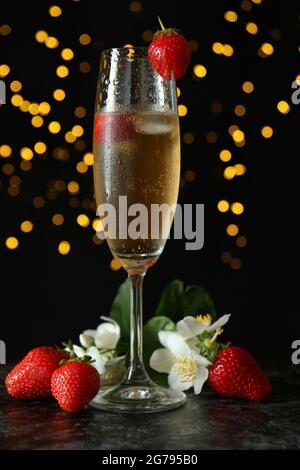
(47,297)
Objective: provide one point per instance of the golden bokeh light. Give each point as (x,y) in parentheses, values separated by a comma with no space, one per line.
(217,48)
(13,191)
(33,109)
(77,130)
(241,241)
(60,185)
(84,67)
(231,16)
(44,108)
(252,28)
(97,225)
(267,48)
(228,50)
(182,110)
(67,54)
(5,151)
(73,187)
(37,121)
(115,264)
(70,137)
(55,11)
(135,6)
(223,205)
(15,180)
(4,70)
(40,148)
(41,36)
(59,94)
(283,107)
(62,71)
(16,100)
(246,5)
(199,70)
(51,42)
(58,219)
(12,243)
(211,137)
(232,128)
(15,86)
(80,112)
(248,87)
(5,29)
(25,165)
(238,136)
(237,208)
(38,202)
(8,169)
(267,132)
(64,247)
(189,175)
(240,110)
(84,39)
(81,167)
(26,226)
(54,127)
(232,230)
(225,155)
(240,169)
(235,263)
(89,159)
(24,107)
(229,172)
(26,153)
(83,220)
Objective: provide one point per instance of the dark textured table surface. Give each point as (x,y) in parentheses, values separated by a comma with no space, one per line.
(205,422)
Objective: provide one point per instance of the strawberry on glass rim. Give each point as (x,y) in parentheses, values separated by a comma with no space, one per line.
(169,52)
(113,127)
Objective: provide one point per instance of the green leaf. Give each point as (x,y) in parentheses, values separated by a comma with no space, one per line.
(120,312)
(170,303)
(197,301)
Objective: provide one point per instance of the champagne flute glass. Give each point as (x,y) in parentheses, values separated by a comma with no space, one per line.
(137,160)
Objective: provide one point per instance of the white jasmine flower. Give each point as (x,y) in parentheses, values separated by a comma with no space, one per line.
(106,336)
(185,367)
(99,359)
(190,327)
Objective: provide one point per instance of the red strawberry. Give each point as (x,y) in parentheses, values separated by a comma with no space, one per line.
(112,128)
(169,52)
(31,377)
(235,373)
(74,385)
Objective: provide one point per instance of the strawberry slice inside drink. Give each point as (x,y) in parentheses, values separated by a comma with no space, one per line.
(113,128)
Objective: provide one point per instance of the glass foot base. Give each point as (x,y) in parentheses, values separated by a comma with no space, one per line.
(144,398)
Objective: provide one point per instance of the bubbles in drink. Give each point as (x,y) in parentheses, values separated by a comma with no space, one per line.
(137,155)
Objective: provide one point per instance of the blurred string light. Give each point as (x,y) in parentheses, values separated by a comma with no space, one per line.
(44,114)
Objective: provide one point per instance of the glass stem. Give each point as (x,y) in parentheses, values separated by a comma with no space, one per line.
(136,372)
